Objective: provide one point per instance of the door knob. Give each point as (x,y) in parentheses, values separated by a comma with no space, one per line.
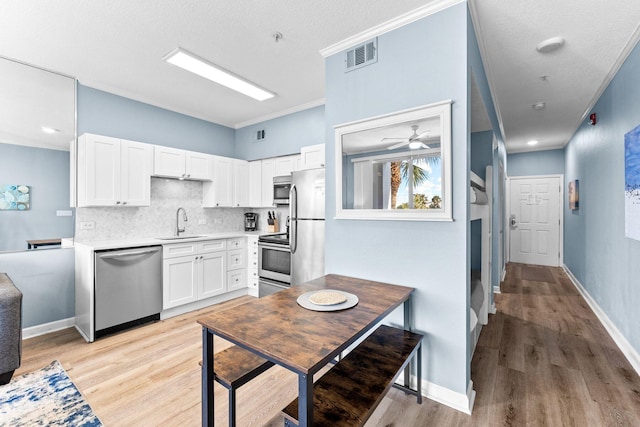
(513,222)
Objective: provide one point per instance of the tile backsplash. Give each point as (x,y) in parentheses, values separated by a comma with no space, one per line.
(159,219)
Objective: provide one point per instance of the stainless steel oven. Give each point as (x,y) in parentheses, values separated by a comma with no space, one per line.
(274,258)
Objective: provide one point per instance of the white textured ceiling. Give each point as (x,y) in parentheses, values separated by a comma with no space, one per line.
(118,45)
(599,35)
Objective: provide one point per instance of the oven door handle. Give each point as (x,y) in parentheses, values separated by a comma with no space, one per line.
(293,215)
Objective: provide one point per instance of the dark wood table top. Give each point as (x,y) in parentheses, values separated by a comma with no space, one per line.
(303,340)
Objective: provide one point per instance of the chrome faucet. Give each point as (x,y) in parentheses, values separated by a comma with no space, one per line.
(184,218)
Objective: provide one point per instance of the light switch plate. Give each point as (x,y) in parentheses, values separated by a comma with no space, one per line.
(202,221)
(87,225)
(63,213)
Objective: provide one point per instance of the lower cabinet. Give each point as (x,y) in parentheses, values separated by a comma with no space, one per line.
(200,274)
(199,270)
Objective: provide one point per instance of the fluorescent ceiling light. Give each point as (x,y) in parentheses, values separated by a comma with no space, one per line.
(190,62)
(532,142)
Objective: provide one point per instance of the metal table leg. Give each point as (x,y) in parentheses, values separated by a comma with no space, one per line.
(207,378)
(305,400)
(408,327)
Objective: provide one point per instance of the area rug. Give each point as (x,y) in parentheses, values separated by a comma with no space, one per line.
(46,397)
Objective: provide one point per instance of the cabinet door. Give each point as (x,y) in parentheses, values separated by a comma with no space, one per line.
(240,183)
(255,184)
(312,157)
(169,162)
(268,172)
(213,279)
(285,165)
(99,175)
(224,181)
(135,168)
(179,278)
(197,165)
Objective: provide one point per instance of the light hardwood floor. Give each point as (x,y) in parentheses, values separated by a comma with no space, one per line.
(544,359)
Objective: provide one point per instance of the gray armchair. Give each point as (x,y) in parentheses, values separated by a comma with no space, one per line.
(10,328)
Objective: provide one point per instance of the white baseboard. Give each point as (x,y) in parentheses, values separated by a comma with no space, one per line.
(492,308)
(496,289)
(459,401)
(627,349)
(45,328)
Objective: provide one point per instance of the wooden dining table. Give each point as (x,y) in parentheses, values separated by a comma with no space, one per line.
(278,329)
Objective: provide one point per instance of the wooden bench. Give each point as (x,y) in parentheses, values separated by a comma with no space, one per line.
(234,367)
(348,394)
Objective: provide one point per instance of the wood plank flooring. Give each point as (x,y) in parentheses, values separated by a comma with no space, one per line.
(543,360)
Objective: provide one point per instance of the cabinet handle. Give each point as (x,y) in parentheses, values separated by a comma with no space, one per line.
(217,204)
(118,202)
(188,175)
(124,203)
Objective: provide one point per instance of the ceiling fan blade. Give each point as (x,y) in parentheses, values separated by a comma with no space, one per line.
(394,139)
(423,135)
(401,144)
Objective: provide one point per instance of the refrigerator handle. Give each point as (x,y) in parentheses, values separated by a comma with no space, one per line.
(293,214)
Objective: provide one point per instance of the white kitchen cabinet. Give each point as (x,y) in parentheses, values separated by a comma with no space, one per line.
(268,172)
(113,172)
(312,157)
(252,265)
(219,192)
(286,164)
(189,278)
(236,264)
(175,163)
(255,183)
(241,183)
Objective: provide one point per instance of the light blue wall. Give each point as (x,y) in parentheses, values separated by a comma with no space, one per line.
(596,249)
(481,157)
(107,114)
(547,162)
(47,173)
(481,152)
(418,64)
(283,135)
(46,279)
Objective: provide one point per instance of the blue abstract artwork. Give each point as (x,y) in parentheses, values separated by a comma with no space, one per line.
(14,197)
(632,183)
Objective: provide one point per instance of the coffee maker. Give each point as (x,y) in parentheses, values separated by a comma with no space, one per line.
(250,221)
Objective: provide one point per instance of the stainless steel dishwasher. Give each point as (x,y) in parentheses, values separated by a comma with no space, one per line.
(128,288)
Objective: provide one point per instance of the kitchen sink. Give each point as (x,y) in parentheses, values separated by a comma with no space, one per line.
(186,236)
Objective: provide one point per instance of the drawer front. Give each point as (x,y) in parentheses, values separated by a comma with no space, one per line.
(236,259)
(178,249)
(212,246)
(236,243)
(236,279)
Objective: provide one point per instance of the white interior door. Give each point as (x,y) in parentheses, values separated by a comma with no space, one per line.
(534,220)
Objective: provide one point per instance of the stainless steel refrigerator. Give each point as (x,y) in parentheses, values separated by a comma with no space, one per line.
(306,209)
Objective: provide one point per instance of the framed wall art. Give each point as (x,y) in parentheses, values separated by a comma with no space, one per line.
(14,197)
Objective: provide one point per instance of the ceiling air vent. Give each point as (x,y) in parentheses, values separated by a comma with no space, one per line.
(359,56)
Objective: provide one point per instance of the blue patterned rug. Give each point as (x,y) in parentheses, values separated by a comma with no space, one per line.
(46,397)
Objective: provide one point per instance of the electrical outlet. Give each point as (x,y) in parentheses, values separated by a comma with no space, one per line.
(87,225)
(202,221)
(217,220)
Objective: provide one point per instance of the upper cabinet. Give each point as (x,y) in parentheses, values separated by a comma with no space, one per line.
(255,183)
(286,164)
(241,194)
(113,172)
(268,172)
(175,163)
(312,157)
(219,192)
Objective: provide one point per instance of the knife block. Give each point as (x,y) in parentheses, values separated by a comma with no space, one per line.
(273,227)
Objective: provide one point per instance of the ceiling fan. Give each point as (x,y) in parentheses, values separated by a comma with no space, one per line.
(414,142)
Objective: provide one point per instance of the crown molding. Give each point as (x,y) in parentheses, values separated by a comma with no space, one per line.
(286,112)
(392,24)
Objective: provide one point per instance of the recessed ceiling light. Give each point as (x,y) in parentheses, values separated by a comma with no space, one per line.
(538,105)
(193,63)
(532,142)
(47,129)
(549,45)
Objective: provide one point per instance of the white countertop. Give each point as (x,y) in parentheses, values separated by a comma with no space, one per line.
(148,241)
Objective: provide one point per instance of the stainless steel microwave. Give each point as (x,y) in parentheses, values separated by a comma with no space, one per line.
(281,187)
